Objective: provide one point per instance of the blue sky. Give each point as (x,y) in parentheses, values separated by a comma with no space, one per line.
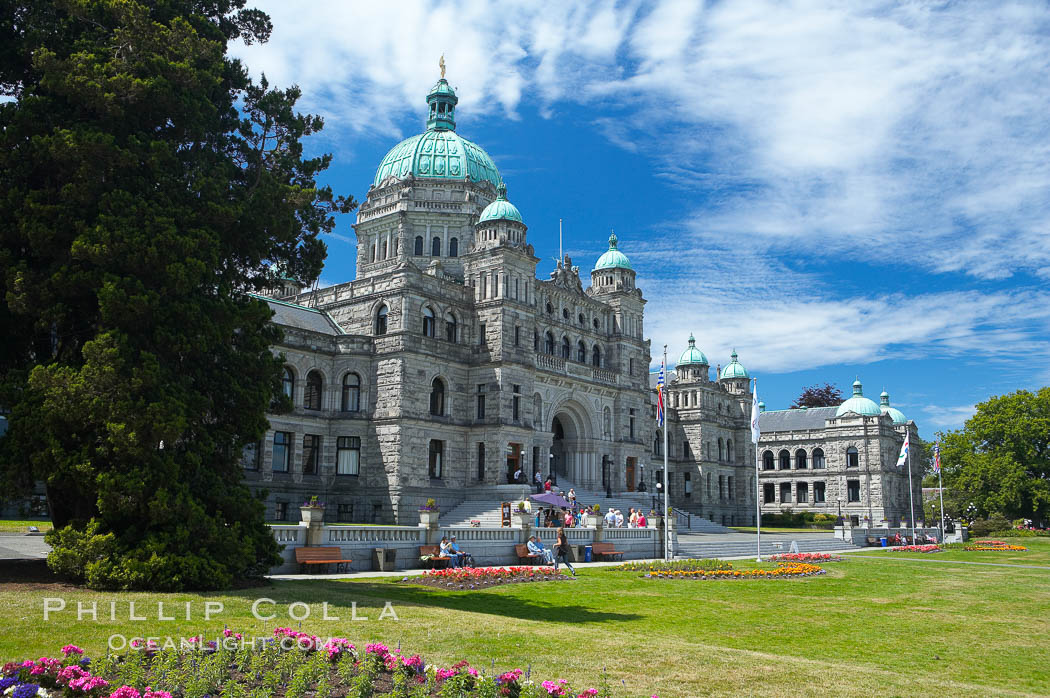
(835,190)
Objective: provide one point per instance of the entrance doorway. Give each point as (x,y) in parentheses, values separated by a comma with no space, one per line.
(513,461)
(631,462)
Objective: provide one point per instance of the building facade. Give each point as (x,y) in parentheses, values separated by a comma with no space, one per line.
(447,365)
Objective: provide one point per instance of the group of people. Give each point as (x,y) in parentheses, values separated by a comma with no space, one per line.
(456,556)
(559,554)
(614,518)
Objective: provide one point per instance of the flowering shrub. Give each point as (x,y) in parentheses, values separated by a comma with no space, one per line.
(929,548)
(665,565)
(805,557)
(782,570)
(292,669)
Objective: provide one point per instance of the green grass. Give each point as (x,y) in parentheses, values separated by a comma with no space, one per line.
(868,627)
(22,526)
(1037,554)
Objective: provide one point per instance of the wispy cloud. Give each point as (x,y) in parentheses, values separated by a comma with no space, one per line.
(947,417)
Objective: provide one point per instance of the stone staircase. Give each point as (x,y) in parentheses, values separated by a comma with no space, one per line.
(702,546)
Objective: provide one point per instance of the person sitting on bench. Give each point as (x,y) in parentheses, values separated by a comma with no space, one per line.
(462,559)
(536,548)
(446,551)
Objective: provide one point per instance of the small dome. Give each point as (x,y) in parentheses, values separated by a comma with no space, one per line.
(858,404)
(692,355)
(614,259)
(761,407)
(734,369)
(501,209)
(895,414)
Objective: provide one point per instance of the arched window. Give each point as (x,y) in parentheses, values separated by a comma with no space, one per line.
(351,392)
(550,308)
(453,247)
(312,396)
(580,318)
(437,397)
(800,459)
(564,313)
(721,450)
(418,249)
(428,322)
(852,458)
(767,461)
(565,347)
(288,383)
(535,340)
(607,422)
(785,460)
(435,247)
(450,327)
(729,450)
(818,459)
(596,356)
(581,352)
(548,344)
(381,320)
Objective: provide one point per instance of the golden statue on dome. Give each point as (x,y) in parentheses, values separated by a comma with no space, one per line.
(441,64)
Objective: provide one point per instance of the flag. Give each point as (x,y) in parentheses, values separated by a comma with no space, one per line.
(660,396)
(937,458)
(755,431)
(903,457)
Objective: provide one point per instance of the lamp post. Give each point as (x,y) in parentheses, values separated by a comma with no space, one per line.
(841,521)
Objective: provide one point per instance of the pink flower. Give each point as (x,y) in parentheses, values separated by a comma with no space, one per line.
(71,649)
(125,692)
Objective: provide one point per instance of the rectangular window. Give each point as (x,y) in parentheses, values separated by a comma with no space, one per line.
(515,404)
(769,493)
(280,511)
(311,453)
(437,449)
(631,424)
(282,451)
(345,513)
(630,367)
(481,401)
(250,456)
(687,484)
(785,492)
(517,336)
(348,455)
(481,333)
(853,490)
(729,488)
(818,460)
(818,493)
(802,493)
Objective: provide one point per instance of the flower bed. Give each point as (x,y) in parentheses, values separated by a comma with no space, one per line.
(996,546)
(805,557)
(781,571)
(930,548)
(291,664)
(483,577)
(669,565)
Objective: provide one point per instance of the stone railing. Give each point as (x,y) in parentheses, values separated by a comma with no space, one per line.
(551,363)
(336,535)
(293,534)
(600,374)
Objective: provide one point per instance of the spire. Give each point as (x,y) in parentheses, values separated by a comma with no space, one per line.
(612,239)
(442,101)
(692,341)
(857,388)
(733,356)
(884,399)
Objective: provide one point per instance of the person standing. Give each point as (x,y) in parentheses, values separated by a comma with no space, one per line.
(539,482)
(561,552)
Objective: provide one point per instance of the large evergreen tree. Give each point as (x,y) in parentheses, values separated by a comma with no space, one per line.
(1000,460)
(147,184)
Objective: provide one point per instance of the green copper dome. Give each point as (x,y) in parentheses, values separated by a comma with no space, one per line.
(884,406)
(439,152)
(734,369)
(692,355)
(501,209)
(614,259)
(858,404)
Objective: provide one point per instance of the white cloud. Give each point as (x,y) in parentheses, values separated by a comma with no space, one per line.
(946,417)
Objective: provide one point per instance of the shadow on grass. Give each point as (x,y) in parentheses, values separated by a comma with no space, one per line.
(374,596)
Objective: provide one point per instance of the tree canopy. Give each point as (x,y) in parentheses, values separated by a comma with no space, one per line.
(818,395)
(1000,460)
(148,184)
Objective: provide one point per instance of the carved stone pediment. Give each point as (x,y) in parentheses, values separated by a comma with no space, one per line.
(567,276)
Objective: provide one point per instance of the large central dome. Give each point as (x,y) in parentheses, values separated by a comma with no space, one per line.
(439,152)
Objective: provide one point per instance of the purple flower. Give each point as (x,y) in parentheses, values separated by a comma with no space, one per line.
(26,690)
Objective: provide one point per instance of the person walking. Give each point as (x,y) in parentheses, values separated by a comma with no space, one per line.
(561,552)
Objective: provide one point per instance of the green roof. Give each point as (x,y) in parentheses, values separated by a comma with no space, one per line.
(613,259)
(501,209)
(734,369)
(692,355)
(858,404)
(896,415)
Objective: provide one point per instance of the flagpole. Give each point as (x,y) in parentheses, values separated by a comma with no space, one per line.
(940,487)
(667,513)
(911,488)
(758,487)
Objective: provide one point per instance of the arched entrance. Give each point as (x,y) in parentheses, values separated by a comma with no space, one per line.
(571,454)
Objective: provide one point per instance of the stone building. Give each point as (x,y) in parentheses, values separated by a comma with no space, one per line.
(446,364)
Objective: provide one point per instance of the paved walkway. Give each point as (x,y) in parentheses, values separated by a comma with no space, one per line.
(949,562)
(409,573)
(22,547)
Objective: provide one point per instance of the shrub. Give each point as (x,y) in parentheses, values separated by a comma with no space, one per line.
(984,527)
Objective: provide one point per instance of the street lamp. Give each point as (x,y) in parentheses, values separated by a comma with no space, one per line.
(840,511)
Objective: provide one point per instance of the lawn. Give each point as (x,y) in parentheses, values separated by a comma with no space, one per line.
(868,627)
(22,526)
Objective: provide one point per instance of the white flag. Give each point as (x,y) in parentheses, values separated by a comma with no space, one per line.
(903,457)
(755,431)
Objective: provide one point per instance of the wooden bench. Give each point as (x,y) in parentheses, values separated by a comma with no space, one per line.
(320,556)
(872,541)
(605,551)
(525,557)
(436,558)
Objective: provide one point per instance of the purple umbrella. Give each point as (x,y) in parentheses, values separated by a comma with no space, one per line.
(552,499)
